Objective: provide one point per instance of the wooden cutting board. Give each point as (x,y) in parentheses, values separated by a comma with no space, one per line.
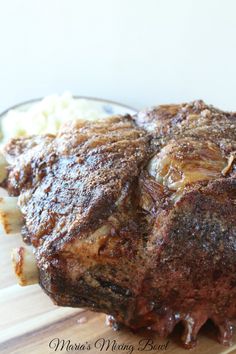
(30,323)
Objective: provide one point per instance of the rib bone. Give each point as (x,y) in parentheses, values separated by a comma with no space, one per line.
(10,215)
(25,266)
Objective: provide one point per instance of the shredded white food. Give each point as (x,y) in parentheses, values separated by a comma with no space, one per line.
(48,115)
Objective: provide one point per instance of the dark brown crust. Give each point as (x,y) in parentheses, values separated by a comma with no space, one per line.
(116,238)
(195,119)
(75,180)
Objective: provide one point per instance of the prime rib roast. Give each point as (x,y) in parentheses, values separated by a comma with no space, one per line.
(135,216)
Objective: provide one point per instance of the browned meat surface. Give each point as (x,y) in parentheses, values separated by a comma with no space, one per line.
(136,216)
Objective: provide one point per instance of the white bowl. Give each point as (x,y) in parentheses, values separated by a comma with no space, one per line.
(109,107)
(41,116)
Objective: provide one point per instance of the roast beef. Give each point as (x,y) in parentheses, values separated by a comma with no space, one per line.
(135,216)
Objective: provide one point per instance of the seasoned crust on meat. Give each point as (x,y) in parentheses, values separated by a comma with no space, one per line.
(74,181)
(136,216)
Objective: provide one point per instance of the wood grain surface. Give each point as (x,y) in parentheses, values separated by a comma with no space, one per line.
(30,324)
